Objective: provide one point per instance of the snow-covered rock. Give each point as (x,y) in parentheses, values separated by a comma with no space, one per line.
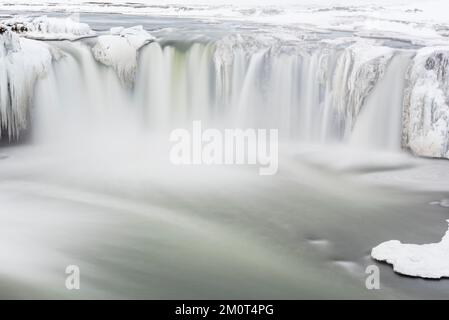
(426,104)
(120,49)
(22,62)
(426,260)
(48,28)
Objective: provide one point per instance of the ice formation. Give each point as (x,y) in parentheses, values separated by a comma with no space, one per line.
(22,62)
(120,49)
(357,72)
(48,28)
(426,106)
(426,260)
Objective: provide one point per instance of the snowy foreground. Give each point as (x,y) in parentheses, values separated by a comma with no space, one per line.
(426,260)
(371,76)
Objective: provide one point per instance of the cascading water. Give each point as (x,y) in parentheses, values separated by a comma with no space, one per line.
(320,93)
(379,124)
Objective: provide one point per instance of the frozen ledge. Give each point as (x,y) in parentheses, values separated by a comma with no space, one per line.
(120,49)
(426,261)
(48,28)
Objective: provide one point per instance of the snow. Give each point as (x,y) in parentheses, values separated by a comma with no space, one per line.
(419,21)
(48,28)
(119,50)
(426,260)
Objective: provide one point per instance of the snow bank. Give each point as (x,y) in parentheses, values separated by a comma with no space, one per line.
(22,62)
(426,261)
(426,104)
(119,50)
(49,28)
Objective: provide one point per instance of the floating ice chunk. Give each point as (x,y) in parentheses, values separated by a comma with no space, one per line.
(120,49)
(48,28)
(425,261)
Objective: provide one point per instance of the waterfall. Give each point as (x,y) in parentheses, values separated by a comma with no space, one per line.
(379,124)
(313,92)
(174,84)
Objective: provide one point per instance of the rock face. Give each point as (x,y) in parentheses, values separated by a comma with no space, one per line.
(426,104)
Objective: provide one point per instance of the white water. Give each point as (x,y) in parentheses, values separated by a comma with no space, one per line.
(318,94)
(379,125)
